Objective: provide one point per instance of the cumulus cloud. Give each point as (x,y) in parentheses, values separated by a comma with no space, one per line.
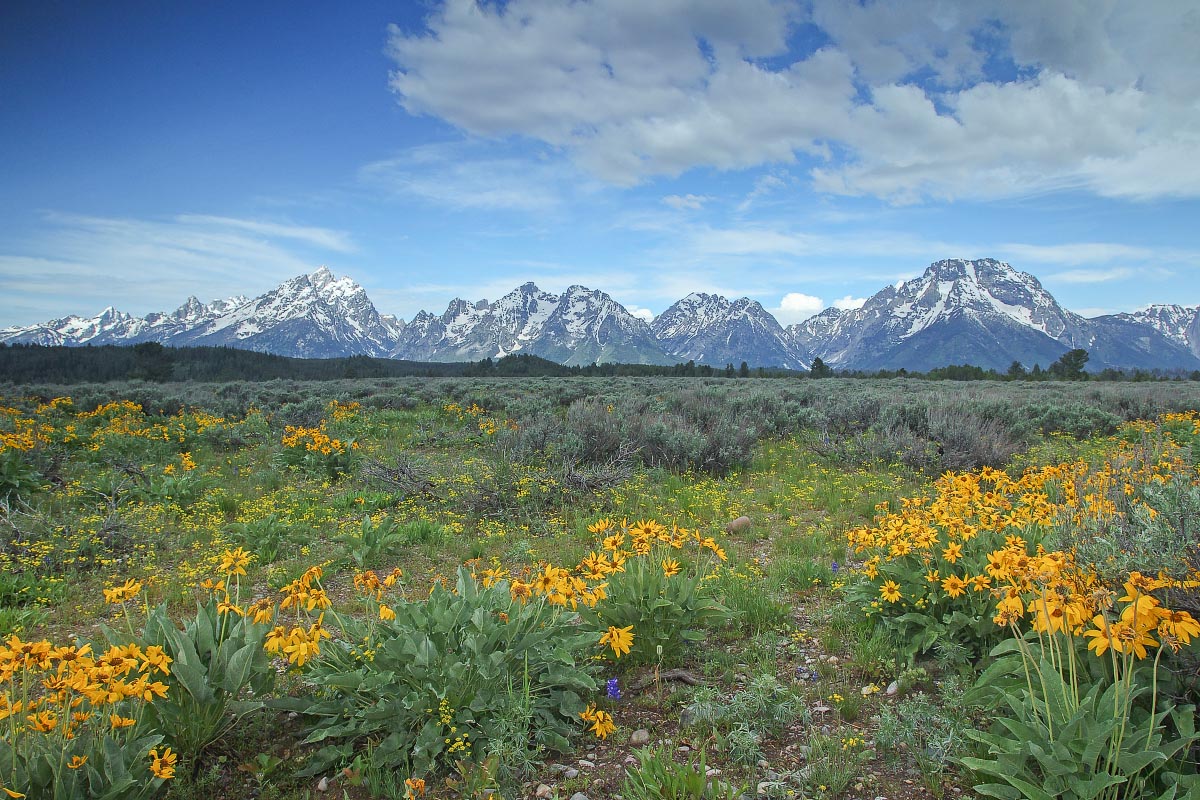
(796,307)
(850,303)
(641,313)
(982,98)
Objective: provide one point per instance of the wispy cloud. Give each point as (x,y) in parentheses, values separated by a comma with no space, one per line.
(338,241)
(691,202)
(462,175)
(1091,275)
(80,264)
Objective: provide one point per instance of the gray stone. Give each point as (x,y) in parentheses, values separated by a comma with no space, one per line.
(640,737)
(569,773)
(583,762)
(892,688)
(543,792)
(579,796)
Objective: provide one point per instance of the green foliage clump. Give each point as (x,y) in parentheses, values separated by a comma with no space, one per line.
(434,684)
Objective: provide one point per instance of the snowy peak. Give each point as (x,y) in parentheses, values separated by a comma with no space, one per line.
(1172,321)
(711,329)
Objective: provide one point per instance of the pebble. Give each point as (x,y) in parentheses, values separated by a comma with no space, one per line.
(763,763)
(683,748)
(569,773)
(579,796)
(892,688)
(712,772)
(630,761)
(323,785)
(640,737)
(583,762)
(833,660)
(543,792)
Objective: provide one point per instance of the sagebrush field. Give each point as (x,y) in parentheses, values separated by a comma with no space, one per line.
(646,588)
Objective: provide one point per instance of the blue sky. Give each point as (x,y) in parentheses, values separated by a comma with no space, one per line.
(804,154)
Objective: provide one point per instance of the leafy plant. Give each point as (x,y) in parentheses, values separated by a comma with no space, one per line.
(431,683)
(1057,740)
(219,673)
(666,611)
(374,541)
(833,763)
(659,777)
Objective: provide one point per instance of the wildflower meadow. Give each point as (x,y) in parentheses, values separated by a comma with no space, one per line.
(560,587)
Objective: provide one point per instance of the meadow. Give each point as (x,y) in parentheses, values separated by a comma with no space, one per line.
(554,587)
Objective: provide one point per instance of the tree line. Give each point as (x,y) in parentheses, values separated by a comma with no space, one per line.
(153,362)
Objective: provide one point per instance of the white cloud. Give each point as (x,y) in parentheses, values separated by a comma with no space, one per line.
(641,313)
(693,202)
(849,303)
(796,307)
(903,102)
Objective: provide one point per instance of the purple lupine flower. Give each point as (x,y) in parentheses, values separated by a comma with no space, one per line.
(834,567)
(613,690)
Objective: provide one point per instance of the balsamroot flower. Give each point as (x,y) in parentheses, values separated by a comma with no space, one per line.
(619,639)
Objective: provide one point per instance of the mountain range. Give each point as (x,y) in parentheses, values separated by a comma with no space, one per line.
(981,312)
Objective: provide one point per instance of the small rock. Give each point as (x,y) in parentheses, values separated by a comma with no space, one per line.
(763,763)
(687,717)
(558,769)
(821,709)
(630,761)
(569,773)
(640,737)
(683,748)
(833,660)
(712,772)
(543,792)
(763,788)
(583,762)
(579,796)
(323,785)
(892,688)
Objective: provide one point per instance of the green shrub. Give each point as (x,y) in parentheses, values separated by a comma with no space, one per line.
(432,685)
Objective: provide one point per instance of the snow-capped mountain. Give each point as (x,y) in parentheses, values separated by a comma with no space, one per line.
(116,327)
(1180,324)
(980,312)
(582,326)
(710,329)
(309,316)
